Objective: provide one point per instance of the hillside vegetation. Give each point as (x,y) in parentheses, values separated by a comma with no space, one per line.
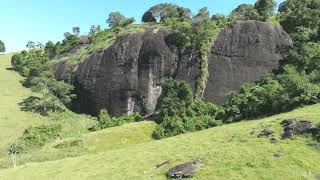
(232,151)
(13,121)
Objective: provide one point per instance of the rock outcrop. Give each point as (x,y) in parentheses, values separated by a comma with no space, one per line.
(242,54)
(127,76)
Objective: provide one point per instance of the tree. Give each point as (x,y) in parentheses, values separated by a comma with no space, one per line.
(50,49)
(129,21)
(54,94)
(39,45)
(30,45)
(116,19)
(265,8)
(95,29)
(164,11)
(76,31)
(245,12)
(202,15)
(148,17)
(2,47)
(297,13)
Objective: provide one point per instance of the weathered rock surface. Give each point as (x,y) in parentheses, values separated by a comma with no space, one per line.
(296,127)
(185,170)
(266,132)
(243,54)
(127,76)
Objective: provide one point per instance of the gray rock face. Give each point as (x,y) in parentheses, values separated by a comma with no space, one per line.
(127,76)
(243,54)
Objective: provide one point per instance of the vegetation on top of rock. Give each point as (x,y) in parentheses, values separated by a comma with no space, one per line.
(163,11)
(116,19)
(262,10)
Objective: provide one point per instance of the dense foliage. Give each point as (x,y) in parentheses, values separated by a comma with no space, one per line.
(35,137)
(262,10)
(2,47)
(163,11)
(106,121)
(116,19)
(54,95)
(180,112)
(296,83)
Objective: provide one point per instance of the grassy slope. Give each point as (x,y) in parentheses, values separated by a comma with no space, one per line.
(229,152)
(12,120)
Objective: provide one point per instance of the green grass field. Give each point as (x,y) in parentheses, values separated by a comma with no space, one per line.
(229,152)
(12,120)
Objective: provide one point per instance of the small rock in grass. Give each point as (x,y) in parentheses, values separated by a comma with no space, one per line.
(266,132)
(276,155)
(318,177)
(273,140)
(185,170)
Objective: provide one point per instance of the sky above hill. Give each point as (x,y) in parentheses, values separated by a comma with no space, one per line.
(43,20)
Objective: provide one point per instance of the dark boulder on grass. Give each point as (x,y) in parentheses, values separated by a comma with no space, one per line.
(296,127)
(266,132)
(185,170)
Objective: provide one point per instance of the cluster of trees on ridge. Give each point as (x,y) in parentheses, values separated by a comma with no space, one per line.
(2,47)
(295,83)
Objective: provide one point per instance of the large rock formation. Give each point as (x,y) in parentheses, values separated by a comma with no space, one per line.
(242,54)
(127,76)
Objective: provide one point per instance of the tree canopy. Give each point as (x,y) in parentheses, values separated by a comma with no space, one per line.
(2,47)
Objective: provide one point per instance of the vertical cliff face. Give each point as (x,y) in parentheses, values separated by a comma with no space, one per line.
(243,54)
(127,76)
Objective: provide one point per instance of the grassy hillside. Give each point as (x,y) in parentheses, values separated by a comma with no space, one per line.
(228,151)
(12,120)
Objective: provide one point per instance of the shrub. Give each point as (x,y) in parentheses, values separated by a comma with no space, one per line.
(180,112)
(106,121)
(69,144)
(36,137)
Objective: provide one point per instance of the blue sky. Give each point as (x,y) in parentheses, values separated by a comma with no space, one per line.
(43,20)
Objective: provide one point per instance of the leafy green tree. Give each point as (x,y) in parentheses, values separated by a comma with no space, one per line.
(164,11)
(181,113)
(265,8)
(2,47)
(50,49)
(245,12)
(54,94)
(297,13)
(94,29)
(116,19)
(129,21)
(30,45)
(39,45)
(76,31)
(148,17)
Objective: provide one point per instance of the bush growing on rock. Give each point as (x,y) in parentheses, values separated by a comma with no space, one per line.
(106,121)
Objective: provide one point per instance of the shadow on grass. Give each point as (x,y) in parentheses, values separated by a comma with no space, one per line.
(10,69)
(30,105)
(316,133)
